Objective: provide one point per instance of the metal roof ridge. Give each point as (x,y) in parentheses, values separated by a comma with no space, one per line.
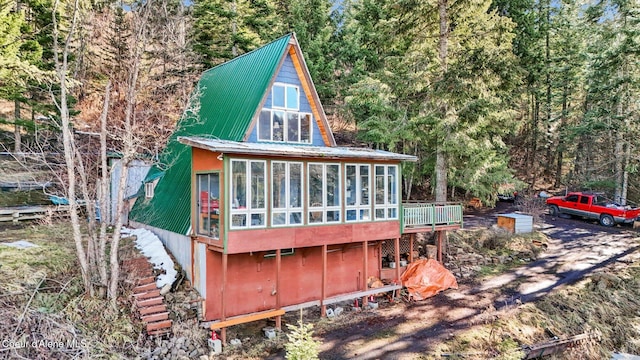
(247,53)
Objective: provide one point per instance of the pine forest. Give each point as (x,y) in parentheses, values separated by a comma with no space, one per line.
(516,94)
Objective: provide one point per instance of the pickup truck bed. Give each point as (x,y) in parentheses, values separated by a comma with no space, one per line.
(593,207)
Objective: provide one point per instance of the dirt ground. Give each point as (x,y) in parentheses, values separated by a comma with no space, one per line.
(577,249)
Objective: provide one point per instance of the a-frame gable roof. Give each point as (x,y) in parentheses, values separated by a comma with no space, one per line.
(231,93)
(224,103)
(309,89)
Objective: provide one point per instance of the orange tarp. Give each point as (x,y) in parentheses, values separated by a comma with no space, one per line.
(426,277)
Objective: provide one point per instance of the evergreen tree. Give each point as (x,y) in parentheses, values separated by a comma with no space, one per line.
(312,22)
(224,29)
(19,54)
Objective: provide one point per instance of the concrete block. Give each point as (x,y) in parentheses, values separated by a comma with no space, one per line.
(373,305)
(235,342)
(269,332)
(216,345)
(330,313)
(338,310)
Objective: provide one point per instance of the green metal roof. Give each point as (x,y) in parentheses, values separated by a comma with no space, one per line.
(226,98)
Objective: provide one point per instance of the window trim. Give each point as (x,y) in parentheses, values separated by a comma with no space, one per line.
(285,86)
(324,207)
(386,205)
(285,126)
(149,189)
(198,190)
(287,210)
(358,206)
(248,211)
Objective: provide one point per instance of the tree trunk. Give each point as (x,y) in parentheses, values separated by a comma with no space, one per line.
(62,67)
(16,132)
(534,142)
(619,154)
(441,156)
(102,197)
(560,148)
(234,28)
(128,146)
(549,142)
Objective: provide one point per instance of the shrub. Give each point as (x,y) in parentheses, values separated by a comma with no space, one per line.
(301,345)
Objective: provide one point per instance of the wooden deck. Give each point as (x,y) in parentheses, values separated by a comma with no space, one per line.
(20,213)
(423,217)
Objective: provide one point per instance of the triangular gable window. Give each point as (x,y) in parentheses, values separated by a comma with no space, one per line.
(284,122)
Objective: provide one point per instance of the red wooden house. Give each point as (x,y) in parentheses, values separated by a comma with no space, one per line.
(262,208)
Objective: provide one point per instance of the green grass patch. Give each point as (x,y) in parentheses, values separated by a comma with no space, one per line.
(42,298)
(23,198)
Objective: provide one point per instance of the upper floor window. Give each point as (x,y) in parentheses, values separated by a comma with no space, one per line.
(285,97)
(284,122)
(248,194)
(386,192)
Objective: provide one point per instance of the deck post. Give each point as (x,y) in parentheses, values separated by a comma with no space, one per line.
(323,291)
(396,246)
(440,238)
(223,317)
(278,287)
(412,236)
(365,263)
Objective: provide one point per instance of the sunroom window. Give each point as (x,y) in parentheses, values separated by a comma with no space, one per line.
(208,201)
(386,190)
(284,122)
(324,193)
(248,194)
(286,180)
(357,192)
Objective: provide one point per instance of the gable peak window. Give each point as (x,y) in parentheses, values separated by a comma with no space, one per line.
(284,122)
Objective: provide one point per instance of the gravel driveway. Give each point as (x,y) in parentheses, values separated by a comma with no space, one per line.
(576,250)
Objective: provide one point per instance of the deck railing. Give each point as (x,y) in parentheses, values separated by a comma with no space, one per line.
(430,215)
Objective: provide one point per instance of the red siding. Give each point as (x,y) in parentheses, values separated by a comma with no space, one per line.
(241,241)
(252,278)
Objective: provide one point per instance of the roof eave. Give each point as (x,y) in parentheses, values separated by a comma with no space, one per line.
(279,153)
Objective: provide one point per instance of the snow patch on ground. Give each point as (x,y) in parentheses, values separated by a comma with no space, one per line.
(20,244)
(151,247)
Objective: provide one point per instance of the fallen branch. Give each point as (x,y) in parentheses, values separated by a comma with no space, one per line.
(26,307)
(555,345)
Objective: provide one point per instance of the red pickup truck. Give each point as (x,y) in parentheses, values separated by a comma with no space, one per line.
(592,206)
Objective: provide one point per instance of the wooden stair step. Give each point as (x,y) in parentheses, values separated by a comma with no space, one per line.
(159,332)
(164,324)
(155,317)
(135,261)
(152,309)
(149,302)
(142,288)
(146,280)
(147,294)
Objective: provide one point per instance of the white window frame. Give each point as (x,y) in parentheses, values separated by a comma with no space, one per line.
(285,126)
(285,121)
(288,210)
(324,207)
(285,85)
(387,205)
(357,187)
(213,232)
(149,189)
(248,211)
